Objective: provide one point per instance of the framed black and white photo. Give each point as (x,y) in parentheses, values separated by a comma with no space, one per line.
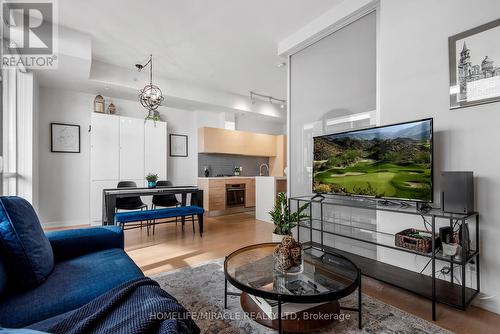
(178,145)
(65,138)
(475,66)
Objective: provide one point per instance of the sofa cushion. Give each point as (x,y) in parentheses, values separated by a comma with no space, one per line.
(72,284)
(28,253)
(67,244)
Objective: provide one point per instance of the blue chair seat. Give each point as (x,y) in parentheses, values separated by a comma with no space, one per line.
(134,216)
(72,284)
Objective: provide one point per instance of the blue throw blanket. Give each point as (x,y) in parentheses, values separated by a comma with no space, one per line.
(138,306)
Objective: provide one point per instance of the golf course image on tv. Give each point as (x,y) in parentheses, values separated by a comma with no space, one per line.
(393,161)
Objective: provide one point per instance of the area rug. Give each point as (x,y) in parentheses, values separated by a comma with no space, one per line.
(201,290)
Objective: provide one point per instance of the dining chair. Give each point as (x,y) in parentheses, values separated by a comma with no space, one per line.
(129,203)
(166,201)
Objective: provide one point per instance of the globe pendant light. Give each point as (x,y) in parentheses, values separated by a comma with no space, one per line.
(150,96)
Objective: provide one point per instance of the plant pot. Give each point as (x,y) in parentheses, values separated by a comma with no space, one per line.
(278,237)
(294,270)
(450,249)
(151,184)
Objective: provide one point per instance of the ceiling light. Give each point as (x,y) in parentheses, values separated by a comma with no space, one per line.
(282,64)
(150,96)
(267,98)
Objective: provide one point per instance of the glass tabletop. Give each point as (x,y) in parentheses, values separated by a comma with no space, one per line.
(325,277)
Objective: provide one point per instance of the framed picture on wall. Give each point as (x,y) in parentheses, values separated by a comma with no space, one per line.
(178,145)
(474,57)
(65,138)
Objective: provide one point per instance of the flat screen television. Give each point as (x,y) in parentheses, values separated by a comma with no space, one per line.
(389,162)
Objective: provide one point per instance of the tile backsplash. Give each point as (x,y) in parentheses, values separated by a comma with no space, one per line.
(225,163)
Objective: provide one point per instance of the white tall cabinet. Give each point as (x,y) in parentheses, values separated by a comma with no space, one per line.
(155,148)
(123,148)
(104,144)
(131,148)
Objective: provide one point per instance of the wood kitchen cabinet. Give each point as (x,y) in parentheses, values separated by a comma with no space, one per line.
(214,194)
(250,193)
(217,199)
(215,140)
(214,197)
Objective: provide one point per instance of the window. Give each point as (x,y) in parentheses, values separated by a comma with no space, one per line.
(8,138)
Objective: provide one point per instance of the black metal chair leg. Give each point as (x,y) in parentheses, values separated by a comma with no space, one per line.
(360,303)
(280,328)
(192,219)
(142,209)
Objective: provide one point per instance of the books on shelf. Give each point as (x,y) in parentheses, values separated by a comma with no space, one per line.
(299,285)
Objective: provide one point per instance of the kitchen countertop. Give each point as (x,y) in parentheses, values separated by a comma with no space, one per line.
(278,178)
(225,177)
(240,177)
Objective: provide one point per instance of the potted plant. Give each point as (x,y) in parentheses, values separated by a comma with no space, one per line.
(284,220)
(151,178)
(155,117)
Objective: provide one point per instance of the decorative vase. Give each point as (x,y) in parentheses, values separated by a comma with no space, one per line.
(99,104)
(278,237)
(111,109)
(151,184)
(288,257)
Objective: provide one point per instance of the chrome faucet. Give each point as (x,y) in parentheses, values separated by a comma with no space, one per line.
(260,169)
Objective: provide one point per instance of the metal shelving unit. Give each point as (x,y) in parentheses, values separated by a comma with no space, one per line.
(454,294)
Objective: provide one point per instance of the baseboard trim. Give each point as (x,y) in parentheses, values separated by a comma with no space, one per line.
(490,305)
(65,223)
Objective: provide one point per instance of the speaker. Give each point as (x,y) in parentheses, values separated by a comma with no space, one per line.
(457,192)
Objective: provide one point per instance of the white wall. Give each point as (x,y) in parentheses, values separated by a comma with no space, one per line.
(260,124)
(413,64)
(64,178)
(412,83)
(210,119)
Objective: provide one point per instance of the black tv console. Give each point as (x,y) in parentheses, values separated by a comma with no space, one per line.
(454,292)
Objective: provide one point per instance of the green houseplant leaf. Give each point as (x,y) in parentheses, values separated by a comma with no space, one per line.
(152,177)
(284,220)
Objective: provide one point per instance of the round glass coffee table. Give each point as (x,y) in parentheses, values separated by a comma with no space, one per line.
(293,303)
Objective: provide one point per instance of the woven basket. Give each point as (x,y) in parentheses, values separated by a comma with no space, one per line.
(402,239)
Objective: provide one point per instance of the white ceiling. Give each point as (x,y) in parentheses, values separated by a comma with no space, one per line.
(224,44)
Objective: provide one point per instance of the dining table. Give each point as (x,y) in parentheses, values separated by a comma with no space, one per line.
(109,197)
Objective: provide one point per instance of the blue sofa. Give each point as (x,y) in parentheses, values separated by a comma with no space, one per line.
(88,262)
(45,275)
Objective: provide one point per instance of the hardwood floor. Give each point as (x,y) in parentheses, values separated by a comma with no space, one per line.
(171,248)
